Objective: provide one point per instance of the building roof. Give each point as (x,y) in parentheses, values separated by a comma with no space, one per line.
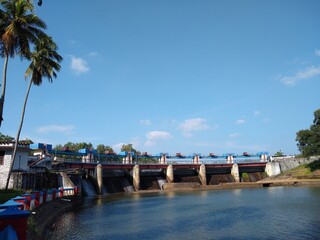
(21,142)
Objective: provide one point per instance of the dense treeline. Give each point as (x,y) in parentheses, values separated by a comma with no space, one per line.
(309,139)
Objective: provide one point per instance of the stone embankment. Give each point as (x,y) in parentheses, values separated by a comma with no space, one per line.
(289,162)
(43,217)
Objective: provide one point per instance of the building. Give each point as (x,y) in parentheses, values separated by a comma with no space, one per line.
(20,163)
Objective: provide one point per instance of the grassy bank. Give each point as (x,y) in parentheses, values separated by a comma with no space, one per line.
(304,171)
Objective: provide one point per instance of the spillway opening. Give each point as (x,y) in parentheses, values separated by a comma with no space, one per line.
(118,184)
(216,179)
(186,175)
(252,176)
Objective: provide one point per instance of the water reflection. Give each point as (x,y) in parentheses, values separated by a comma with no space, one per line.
(265,213)
(237,192)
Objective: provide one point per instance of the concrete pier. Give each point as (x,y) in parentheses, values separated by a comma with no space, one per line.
(99,178)
(65,181)
(272,169)
(127,159)
(230,159)
(136,177)
(235,172)
(263,158)
(170,176)
(203,175)
(196,159)
(163,159)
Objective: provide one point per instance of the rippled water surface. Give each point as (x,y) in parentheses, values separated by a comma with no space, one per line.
(259,213)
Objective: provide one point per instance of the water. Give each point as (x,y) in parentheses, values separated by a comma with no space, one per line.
(260,213)
(88,188)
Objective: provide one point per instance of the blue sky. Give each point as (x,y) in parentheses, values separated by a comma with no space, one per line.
(175,75)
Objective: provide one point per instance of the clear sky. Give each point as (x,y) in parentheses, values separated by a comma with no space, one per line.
(175,75)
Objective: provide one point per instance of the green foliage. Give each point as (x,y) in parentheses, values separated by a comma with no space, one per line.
(75,147)
(305,171)
(6,138)
(309,139)
(101,148)
(58,147)
(20,28)
(314,166)
(245,177)
(129,148)
(279,154)
(6,195)
(147,160)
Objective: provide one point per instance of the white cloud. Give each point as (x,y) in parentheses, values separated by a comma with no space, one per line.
(240,121)
(157,135)
(145,122)
(154,136)
(79,65)
(56,128)
(301,75)
(93,54)
(117,147)
(194,124)
(256,113)
(317,52)
(234,135)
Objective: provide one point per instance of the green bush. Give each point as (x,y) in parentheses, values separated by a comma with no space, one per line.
(245,177)
(314,166)
(7,195)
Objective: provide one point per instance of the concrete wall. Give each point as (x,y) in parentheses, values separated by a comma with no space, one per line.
(289,162)
(4,169)
(21,162)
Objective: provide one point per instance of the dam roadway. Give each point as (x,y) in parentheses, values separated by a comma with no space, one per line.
(121,166)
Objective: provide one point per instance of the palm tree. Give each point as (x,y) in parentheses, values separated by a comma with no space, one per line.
(44,63)
(19,27)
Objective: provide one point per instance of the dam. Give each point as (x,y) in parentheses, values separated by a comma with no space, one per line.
(131,171)
(128,177)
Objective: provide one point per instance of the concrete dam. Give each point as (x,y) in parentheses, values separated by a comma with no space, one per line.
(129,177)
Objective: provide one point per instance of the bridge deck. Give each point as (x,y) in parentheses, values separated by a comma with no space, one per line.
(120,166)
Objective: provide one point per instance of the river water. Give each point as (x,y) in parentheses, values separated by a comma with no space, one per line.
(257,213)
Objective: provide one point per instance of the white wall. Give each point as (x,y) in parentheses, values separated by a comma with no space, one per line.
(21,157)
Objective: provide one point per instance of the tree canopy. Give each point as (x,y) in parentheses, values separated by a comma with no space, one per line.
(129,148)
(6,138)
(70,146)
(101,148)
(19,28)
(279,154)
(309,139)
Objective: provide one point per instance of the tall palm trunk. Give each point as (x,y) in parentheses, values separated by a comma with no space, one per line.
(4,83)
(18,135)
